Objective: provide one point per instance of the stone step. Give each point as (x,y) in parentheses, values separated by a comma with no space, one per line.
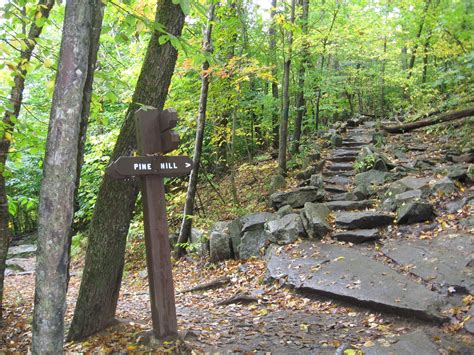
(357,236)
(345,273)
(335,188)
(344,152)
(363,220)
(353,144)
(338,173)
(340,167)
(338,180)
(342,159)
(349,205)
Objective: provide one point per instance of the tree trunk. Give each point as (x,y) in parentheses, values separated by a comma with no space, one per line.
(382,80)
(425,58)
(102,276)
(286,100)
(418,35)
(272,36)
(186,224)
(56,206)
(16,97)
(300,100)
(444,117)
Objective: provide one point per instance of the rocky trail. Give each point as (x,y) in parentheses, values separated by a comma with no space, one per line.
(372,251)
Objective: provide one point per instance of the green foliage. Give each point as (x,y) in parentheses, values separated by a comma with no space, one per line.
(366,163)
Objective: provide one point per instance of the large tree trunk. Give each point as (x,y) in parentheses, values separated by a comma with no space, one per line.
(444,117)
(272,36)
(102,276)
(300,101)
(16,97)
(282,148)
(186,225)
(56,206)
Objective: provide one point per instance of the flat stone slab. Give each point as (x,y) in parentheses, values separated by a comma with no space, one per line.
(363,220)
(344,273)
(357,236)
(340,167)
(342,159)
(416,342)
(20,266)
(349,205)
(344,152)
(446,260)
(22,249)
(335,188)
(338,180)
(297,198)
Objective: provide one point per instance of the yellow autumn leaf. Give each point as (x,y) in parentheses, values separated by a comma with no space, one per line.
(48,63)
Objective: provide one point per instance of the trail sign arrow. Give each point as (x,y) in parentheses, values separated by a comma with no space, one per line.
(166,166)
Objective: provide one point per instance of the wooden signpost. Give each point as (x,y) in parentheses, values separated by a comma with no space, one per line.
(155,137)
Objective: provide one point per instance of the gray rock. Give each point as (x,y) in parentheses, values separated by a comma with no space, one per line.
(252,243)
(344,273)
(315,217)
(362,220)
(297,198)
(286,230)
(20,266)
(284,210)
(220,246)
(336,140)
(459,173)
(357,236)
(414,183)
(256,221)
(317,181)
(340,167)
(408,196)
(416,342)
(313,169)
(348,205)
(444,186)
(22,249)
(371,177)
(277,183)
(235,233)
(415,212)
(445,260)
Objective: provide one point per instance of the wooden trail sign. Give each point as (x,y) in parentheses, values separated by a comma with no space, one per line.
(155,137)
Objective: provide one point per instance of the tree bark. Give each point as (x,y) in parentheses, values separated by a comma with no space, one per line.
(444,117)
(186,224)
(16,97)
(56,206)
(282,148)
(102,276)
(300,100)
(418,35)
(272,36)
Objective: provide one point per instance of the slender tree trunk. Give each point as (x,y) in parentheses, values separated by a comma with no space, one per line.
(102,276)
(382,80)
(282,148)
(186,224)
(411,64)
(272,36)
(16,97)
(425,58)
(56,207)
(300,100)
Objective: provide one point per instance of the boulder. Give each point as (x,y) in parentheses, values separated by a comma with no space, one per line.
(336,140)
(316,180)
(315,217)
(200,242)
(286,230)
(235,233)
(414,183)
(255,221)
(284,210)
(252,242)
(415,212)
(444,186)
(313,169)
(297,198)
(220,246)
(277,183)
(362,220)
